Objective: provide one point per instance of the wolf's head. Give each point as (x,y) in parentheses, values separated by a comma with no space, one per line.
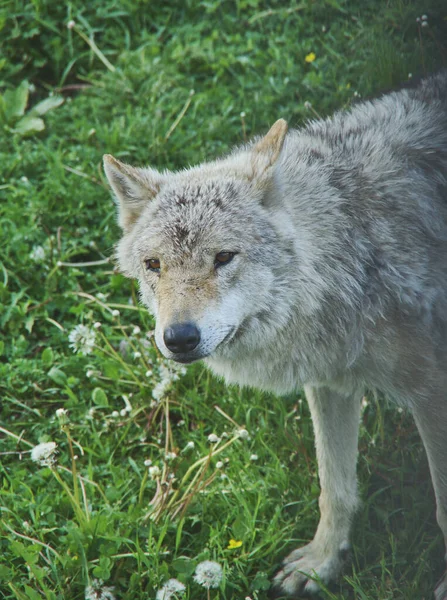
(202,243)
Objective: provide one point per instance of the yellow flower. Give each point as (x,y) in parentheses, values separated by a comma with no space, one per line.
(234,544)
(310,57)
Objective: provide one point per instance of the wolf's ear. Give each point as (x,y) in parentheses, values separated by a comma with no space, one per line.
(265,153)
(133,188)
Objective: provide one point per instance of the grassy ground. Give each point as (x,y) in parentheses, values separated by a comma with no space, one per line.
(125,71)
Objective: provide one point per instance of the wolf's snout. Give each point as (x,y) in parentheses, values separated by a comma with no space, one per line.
(181,337)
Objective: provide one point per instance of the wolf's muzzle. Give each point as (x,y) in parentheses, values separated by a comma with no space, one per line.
(181,337)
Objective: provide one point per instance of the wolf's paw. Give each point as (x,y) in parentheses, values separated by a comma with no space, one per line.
(302,566)
(441,589)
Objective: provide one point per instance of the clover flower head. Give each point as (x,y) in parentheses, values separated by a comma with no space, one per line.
(154,472)
(208,574)
(82,339)
(172,588)
(243,434)
(44,454)
(98,591)
(37,254)
(213,438)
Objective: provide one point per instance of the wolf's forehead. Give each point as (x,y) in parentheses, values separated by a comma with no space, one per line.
(192,213)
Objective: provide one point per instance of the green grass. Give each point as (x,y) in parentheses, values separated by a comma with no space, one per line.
(125,71)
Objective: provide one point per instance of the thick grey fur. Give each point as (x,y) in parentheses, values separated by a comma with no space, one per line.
(339,282)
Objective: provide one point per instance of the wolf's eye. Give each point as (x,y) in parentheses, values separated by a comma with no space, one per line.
(223,258)
(152,264)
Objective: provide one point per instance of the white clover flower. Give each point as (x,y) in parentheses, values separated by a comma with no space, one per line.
(115,313)
(171,588)
(136,330)
(44,454)
(37,254)
(308,105)
(219,464)
(137,354)
(254,457)
(243,434)
(208,574)
(149,373)
(101,296)
(159,390)
(154,472)
(115,414)
(61,412)
(123,412)
(147,462)
(213,438)
(82,339)
(71,24)
(98,591)
(170,455)
(97,325)
(190,445)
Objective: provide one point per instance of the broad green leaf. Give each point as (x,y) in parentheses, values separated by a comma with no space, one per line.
(47,357)
(48,104)
(99,397)
(16,101)
(57,376)
(29,125)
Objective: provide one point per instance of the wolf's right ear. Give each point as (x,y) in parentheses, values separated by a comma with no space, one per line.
(133,187)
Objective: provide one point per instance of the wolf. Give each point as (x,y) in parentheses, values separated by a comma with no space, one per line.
(312,258)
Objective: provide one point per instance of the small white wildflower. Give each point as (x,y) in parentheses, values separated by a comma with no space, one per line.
(91,132)
(26,525)
(123,412)
(190,445)
(219,464)
(37,254)
(101,296)
(62,416)
(365,402)
(170,455)
(147,462)
(115,313)
(181,423)
(98,591)
(97,325)
(424,17)
(225,435)
(424,23)
(242,114)
(213,438)
(149,373)
(208,574)
(308,105)
(154,472)
(89,373)
(170,589)
(159,390)
(115,414)
(44,454)
(82,339)
(243,434)
(24,178)
(136,330)
(137,354)
(254,457)
(418,19)
(224,476)
(71,24)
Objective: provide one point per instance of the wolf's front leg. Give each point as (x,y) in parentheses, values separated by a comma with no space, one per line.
(335,419)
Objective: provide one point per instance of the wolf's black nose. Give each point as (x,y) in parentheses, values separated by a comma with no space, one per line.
(181,337)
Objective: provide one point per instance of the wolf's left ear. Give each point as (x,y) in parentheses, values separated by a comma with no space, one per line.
(133,188)
(265,153)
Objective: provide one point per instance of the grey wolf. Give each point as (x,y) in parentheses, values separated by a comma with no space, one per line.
(314,257)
